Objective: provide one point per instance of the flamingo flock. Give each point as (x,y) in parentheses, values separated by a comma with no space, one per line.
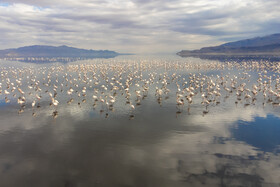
(111,84)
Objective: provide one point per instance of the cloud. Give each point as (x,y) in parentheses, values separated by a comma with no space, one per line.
(137,25)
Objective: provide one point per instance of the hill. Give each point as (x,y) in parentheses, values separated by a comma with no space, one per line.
(43,52)
(255,46)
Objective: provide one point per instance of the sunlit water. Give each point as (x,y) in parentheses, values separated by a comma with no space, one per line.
(229,142)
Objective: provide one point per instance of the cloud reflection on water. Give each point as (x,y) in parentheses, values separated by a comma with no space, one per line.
(95,151)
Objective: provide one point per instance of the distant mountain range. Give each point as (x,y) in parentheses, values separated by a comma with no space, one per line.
(267,45)
(43,52)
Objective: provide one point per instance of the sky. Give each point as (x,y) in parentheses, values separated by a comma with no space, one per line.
(135,26)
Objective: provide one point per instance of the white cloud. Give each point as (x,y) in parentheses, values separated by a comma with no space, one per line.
(135,26)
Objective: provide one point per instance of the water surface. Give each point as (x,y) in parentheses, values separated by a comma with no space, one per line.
(230,142)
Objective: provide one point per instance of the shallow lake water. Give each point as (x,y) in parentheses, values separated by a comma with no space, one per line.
(140,121)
